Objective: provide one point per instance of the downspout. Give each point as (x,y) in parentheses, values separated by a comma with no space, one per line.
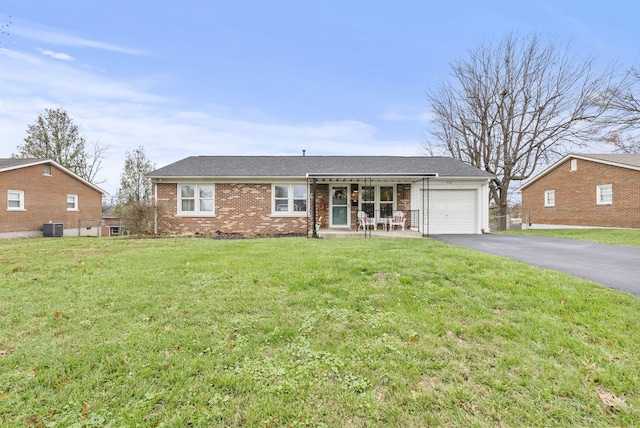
(315,203)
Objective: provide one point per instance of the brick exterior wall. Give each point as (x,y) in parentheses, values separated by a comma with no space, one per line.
(575,196)
(245,209)
(240,208)
(45,199)
(322,205)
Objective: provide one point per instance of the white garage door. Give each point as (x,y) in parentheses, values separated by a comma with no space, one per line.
(451,211)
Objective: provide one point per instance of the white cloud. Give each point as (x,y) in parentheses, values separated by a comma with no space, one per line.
(127,114)
(57,37)
(168,136)
(56,55)
(19,56)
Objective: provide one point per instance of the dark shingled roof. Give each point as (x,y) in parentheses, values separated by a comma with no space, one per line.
(632,160)
(11,162)
(300,166)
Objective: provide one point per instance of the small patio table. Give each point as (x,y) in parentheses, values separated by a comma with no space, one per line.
(385,222)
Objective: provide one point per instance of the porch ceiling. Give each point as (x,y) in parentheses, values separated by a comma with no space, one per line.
(369,178)
(366,180)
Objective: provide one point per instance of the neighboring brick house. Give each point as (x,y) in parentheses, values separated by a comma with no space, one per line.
(585,190)
(111,224)
(39,191)
(282,195)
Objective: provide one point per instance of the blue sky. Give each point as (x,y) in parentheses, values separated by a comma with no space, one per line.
(265,77)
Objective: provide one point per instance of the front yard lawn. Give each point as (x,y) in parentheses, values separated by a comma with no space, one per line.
(306,333)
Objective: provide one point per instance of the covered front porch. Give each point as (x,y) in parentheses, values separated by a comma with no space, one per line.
(363,206)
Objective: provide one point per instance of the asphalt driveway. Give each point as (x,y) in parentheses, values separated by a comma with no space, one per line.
(614,266)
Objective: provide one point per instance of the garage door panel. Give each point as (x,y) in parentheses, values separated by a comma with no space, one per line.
(451,211)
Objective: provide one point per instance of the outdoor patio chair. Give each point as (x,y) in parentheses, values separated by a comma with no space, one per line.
(397,220)
(365,221)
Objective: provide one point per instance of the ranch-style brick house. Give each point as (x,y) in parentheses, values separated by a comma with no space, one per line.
(585,190)
(40,191)
(297,195)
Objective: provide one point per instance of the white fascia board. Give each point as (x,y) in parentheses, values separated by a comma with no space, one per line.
(545,172)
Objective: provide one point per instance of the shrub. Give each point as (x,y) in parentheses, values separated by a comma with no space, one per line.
(138,217)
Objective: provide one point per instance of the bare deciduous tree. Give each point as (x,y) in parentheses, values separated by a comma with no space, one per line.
(514,105)
(4,27)
(624,113)
(54,136)
(623,143)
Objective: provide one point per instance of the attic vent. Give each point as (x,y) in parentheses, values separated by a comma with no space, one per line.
(574,165)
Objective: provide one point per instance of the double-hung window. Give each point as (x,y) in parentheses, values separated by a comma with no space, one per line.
(72,202)
(196,199)
(549,198)
(15,200)
(377,201)
(604,194)
(289,199)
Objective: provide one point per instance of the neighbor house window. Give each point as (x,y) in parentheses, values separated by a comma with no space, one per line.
(47,169)
(549,198)
(289,199)
(15,200)
(195,199)
(604,194)
(72,202)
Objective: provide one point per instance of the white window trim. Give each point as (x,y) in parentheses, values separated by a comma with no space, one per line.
(290,212)
(196,212)
(20,200)
(75,203)
(377,202)
(599,194)
(546,198)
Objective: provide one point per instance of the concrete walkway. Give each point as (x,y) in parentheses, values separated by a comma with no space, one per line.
(380,233)
(614,266)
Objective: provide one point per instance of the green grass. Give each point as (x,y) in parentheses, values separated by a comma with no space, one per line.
(306,333)
(628,237)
